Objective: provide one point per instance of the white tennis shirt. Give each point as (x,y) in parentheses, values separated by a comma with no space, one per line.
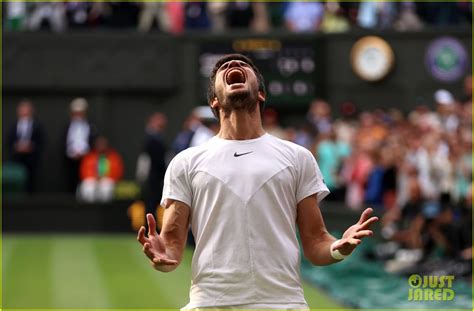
(243,196)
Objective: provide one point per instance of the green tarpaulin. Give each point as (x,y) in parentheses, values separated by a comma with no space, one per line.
(363,283)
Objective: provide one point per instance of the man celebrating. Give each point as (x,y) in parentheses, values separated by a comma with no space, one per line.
(245,194)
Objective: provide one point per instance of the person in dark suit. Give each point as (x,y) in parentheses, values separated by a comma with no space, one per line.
(25,141)
(154,149)
(77,140)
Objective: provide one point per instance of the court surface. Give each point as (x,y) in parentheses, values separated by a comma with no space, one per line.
(46,271)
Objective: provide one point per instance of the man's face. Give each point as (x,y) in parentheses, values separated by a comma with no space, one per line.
(157,122)
(236,87)
(25,110)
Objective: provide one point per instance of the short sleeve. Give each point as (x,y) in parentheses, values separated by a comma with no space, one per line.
(310,180)
(177,184)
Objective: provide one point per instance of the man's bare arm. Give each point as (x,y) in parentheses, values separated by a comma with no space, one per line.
(316,239)
(165,250)
(175,228)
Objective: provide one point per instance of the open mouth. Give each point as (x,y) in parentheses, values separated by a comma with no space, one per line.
(235,76)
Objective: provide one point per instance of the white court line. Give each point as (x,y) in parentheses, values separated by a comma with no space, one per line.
(8,245)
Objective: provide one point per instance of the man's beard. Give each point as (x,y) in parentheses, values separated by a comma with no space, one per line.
(239,101)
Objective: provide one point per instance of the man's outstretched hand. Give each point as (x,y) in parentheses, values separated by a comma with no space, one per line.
(154,246)
(352,237)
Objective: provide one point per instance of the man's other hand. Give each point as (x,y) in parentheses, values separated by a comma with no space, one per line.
(353,235)
(154,246)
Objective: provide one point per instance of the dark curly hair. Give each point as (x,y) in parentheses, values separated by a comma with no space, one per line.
(211,91)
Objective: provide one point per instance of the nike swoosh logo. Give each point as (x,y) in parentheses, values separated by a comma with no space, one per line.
(241,154)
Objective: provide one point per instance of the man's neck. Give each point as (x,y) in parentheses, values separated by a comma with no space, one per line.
(241,125)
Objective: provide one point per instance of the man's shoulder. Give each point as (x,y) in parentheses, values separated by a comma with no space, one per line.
(288,146)
(191,153)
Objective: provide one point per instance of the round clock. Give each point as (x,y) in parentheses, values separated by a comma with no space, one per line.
(372,58)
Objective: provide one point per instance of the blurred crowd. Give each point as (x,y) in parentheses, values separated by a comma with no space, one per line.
(177,17)
(414,169)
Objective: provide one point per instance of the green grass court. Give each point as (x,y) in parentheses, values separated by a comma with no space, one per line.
(96,271)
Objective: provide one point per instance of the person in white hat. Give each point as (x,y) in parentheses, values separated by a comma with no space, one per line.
(207,127)
(77,139)
(446,110)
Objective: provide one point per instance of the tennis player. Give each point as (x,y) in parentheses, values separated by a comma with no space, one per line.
(245,194)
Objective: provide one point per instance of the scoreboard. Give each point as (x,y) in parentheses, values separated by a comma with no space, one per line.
(288,66)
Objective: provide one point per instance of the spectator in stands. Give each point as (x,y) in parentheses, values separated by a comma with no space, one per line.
(15,16)
(302,136)
(152,161)
(271,125)
(417,157)
(445,232)
(334,20)
(462,166)
(371,132)
(48,14)
(206,128)
(374,189)
(183,139)
(247,15)
(446,110)
(319,116)
(439,165)
(100,170)
(389,155)
(331,154)
(376,15)
(276,14)
(405,224)
(355,172)
(350,10)
(176,16)
(77,14)
(218,15)
(261,22)
(77,140)
(345,127)
(198,128)
(196,16)
(98,14)
(151,12)
(240,14)
(407,19)
(25,141)
(304,16)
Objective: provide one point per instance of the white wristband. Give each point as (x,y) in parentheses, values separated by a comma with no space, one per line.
(335,253)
